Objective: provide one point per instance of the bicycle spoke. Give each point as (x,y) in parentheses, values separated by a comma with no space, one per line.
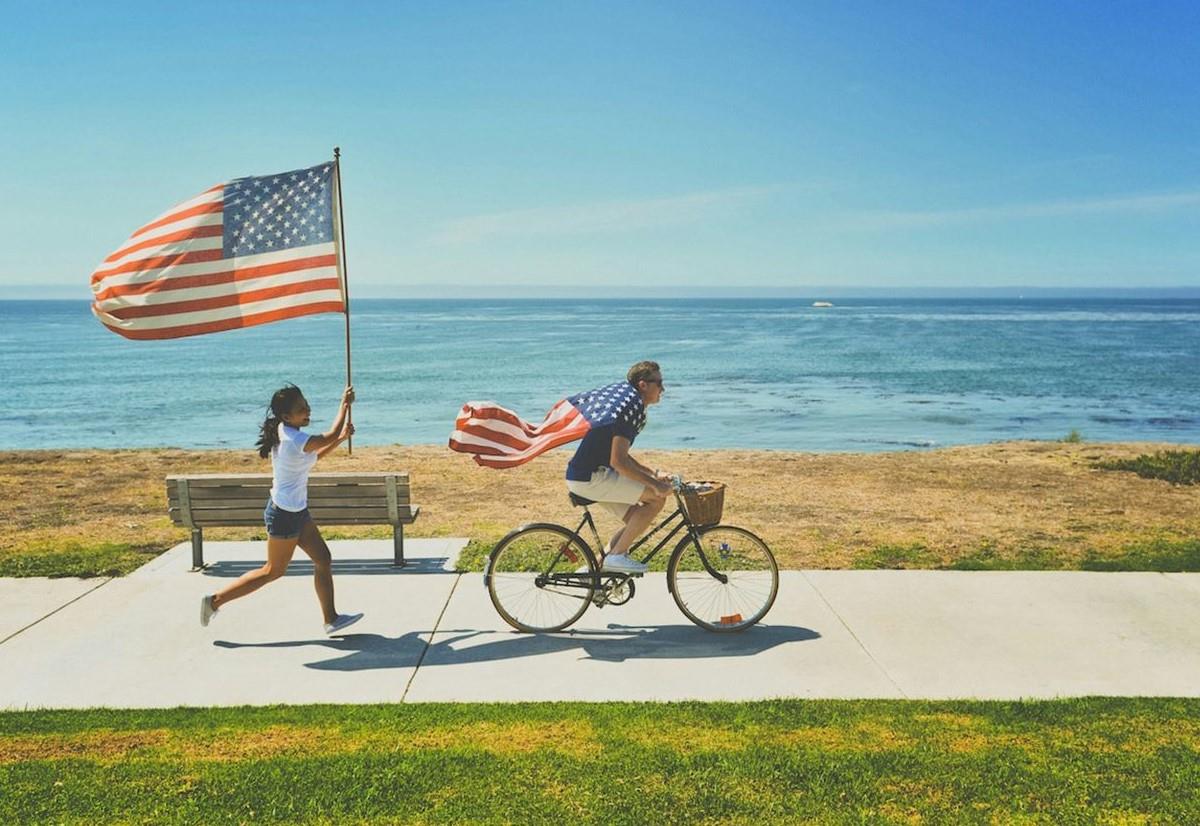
(541,579)
(751,579)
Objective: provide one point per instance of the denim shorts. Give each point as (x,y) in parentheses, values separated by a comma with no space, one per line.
(283,524)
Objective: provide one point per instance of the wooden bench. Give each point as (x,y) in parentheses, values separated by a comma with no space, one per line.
(211,500)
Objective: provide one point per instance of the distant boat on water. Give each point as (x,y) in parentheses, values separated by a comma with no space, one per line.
(822,303)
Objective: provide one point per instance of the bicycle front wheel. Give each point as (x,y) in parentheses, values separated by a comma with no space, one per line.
(541,578)
(728,582)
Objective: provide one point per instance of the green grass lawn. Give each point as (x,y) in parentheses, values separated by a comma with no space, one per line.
(1165,555)
(1074,761)
(1169,555)
(78,559)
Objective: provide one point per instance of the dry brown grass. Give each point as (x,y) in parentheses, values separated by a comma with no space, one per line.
(103,744)
(815,510)
(943,733)
(570,737)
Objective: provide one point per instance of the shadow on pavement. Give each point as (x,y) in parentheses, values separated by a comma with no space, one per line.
(619,643)
(341,567)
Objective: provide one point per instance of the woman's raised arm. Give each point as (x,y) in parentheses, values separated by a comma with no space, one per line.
(338,432)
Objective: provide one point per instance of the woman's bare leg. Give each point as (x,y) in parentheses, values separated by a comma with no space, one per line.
(279,554)
(314,545)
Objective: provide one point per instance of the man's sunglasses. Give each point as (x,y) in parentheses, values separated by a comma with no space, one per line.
(659,382)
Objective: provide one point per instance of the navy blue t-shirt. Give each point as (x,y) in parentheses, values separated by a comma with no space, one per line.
(613,410)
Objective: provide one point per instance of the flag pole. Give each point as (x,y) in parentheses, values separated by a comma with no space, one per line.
(340,228)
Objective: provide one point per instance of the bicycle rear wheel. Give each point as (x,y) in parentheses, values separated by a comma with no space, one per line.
(541,578)
(728,583)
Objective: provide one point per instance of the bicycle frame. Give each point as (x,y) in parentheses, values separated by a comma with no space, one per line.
(684,524)
(551,553)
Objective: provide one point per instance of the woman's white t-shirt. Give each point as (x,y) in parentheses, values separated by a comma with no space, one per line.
(290,466)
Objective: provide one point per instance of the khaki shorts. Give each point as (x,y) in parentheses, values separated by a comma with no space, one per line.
(610,489)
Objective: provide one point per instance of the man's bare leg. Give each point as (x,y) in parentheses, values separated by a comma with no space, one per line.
(637,519)
(612,542)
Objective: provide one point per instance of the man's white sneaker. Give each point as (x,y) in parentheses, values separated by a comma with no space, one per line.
(206,610)
(341,621)
(623,564)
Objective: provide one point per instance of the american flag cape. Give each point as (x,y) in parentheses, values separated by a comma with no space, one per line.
(246,252)
(500,438)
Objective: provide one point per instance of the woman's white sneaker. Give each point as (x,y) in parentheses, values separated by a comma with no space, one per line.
(206,609)
(341,621)
(623,564)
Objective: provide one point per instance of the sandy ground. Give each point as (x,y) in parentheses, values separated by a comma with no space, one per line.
(815,510)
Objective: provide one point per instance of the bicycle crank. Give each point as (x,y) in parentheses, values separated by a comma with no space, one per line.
(617,591)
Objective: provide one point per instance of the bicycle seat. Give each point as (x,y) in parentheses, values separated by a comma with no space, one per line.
(579,501)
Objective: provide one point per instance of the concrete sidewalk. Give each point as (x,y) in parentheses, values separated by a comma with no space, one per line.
(431,634)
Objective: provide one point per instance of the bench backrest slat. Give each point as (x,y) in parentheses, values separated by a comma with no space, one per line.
(247,493)
(323,491)
(203,479)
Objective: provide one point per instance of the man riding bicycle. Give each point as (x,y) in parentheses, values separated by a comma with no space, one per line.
(542,577)
(603,470)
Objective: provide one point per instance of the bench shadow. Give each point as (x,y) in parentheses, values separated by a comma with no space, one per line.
(618,643)
(341,567)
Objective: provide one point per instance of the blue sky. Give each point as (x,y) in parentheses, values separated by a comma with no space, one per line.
(556,148)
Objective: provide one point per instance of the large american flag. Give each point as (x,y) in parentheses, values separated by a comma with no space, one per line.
(500,438)
(247,252)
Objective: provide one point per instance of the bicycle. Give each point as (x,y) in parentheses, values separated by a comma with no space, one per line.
(542,577)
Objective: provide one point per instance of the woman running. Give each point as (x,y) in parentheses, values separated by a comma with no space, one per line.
(293,454)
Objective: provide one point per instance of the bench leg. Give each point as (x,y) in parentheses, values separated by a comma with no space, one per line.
(197,549)
(398,546)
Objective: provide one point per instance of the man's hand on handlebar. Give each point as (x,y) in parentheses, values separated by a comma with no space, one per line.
(662,483)
(674,481)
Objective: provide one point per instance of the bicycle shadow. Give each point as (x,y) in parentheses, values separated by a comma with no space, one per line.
(360,652)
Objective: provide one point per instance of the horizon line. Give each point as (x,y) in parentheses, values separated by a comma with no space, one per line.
(461,292)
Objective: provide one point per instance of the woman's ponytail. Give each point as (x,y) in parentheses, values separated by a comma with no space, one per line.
(269,437)
(281,403)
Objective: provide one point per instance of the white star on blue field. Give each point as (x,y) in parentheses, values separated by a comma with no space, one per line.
(278,212)
(607,404)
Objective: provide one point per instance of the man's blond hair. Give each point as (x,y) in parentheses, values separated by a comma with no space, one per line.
(643,371)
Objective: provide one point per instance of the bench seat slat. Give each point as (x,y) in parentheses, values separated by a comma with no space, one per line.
(324,523)
(378,511)
(323,520)
(213,517)
(251,522)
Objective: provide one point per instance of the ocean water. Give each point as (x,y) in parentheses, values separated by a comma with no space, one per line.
(864,375)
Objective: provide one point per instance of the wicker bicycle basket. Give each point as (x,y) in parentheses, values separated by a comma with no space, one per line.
(704,502)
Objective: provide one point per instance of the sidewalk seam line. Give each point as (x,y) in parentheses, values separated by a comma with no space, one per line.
(850,631)
(56,610)
(436,625)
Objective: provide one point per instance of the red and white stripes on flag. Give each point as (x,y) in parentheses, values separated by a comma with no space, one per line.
(499,438)
(247,252)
